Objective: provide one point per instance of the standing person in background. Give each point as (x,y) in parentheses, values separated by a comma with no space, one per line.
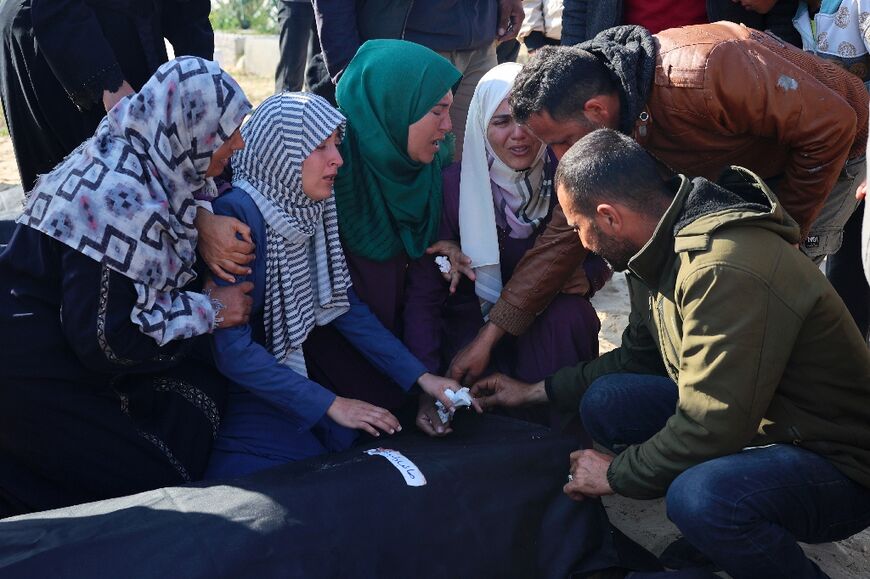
(542,25)
(65,63)
(344,25)
(298,39)
(836,30)
(583,19)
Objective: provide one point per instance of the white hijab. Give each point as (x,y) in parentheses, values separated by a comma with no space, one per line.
(487,186)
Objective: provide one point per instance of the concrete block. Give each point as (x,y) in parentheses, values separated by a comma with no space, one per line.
(11,202)
(261,55)
(229,49)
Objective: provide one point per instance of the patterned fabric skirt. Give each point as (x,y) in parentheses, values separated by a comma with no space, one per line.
(64,443)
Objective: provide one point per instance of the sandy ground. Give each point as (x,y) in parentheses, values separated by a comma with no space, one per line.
(644,521)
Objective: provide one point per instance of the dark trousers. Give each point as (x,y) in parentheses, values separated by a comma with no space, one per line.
(845,274)
(745,511)
(298,36)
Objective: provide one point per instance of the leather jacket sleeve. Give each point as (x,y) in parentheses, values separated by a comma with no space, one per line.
(539,276)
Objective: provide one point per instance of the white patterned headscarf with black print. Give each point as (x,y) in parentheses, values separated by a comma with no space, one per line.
(125,196)
(306,273)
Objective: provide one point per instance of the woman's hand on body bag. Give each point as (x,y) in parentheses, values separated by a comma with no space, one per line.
(225,244)
(460,264)
(233,307)
(427,417)
(361,415)
(435,386)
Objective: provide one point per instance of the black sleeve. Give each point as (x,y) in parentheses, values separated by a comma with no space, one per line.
(186,26)
(95,314)
(337,29)
(72,42)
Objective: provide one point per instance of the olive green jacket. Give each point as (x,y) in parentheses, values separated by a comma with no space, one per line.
(760,345)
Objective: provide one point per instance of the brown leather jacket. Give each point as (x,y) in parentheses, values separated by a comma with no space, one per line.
(723,95)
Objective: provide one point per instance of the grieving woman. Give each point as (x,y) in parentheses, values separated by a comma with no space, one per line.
(496,203)
(101,393)
(282,189)
(396,97)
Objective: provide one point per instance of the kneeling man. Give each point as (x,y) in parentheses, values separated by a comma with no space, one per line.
(741,390)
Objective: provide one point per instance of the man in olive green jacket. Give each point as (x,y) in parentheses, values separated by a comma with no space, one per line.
(742,386)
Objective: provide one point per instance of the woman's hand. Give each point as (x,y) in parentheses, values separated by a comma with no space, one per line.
(110,99)
(460,264)
(220,246)
(234,300)
(361,415)
(427,417)
(435,386)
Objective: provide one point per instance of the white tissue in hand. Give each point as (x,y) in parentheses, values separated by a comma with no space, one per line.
(443,264)
(460,398)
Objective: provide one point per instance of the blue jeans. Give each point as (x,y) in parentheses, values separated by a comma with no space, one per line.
(745,511)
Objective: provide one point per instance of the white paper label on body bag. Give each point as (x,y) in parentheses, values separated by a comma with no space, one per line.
(412,475)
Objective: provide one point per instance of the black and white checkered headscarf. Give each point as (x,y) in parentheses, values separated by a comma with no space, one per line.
(125,196)
(306,273)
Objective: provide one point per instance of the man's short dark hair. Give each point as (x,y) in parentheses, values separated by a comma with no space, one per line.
(606,166)
(559,80)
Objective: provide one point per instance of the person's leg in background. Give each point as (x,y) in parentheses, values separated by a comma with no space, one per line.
(296,23)
(473,64)
(846,275)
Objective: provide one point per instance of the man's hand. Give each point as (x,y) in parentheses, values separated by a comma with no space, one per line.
(460,264)
(427,417)
(500,390)
(220,247)
(861,192)
(361,415)
(110,99)
(510,18)
(471,362)
(588,475)
(235,300)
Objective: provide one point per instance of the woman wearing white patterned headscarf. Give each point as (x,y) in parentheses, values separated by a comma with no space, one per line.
(282,189)
(99,393)
(125,197)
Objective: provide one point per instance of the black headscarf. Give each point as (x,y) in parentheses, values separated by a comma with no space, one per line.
(629,53)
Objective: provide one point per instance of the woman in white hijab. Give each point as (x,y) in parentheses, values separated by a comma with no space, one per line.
(496,203)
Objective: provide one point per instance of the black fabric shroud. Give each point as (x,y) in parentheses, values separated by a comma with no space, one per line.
(492,507)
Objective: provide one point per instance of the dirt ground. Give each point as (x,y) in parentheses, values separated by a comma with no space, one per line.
(644,521)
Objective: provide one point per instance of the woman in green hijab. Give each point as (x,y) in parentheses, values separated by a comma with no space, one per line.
(396,97)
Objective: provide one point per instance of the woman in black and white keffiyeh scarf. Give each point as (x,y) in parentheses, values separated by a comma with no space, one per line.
(125,196)
(307,277)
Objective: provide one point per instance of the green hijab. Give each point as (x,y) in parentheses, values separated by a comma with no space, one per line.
(386,201)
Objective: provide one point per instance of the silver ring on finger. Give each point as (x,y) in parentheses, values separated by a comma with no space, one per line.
(570,477)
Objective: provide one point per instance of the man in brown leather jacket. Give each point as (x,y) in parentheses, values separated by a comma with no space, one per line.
(699,99)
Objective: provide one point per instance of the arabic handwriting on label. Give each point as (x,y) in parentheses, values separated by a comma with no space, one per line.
(412,475)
